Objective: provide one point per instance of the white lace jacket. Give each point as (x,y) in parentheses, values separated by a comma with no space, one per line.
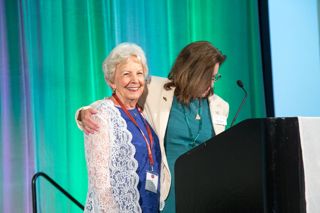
(111,164)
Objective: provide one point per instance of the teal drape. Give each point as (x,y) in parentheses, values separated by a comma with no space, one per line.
(51,55)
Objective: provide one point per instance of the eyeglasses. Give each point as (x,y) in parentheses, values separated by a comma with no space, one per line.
(216,77)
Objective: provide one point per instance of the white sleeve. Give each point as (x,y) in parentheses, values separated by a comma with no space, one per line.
(111,164)
(98,150)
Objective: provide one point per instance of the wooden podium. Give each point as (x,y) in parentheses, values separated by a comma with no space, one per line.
(255,166)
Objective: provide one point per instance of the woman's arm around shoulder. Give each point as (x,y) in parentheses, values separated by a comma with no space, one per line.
(91,110)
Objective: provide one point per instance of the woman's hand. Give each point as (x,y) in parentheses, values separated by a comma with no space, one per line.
(88,124)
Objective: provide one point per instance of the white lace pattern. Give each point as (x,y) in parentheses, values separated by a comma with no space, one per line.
(111,164)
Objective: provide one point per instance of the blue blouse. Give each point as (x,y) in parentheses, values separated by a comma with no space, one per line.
(149,201)
(183,133)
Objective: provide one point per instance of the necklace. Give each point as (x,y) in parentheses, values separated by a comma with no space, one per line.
(199,111)
(198,117)
(194,137)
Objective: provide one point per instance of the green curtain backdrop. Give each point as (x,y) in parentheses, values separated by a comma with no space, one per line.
(51,55)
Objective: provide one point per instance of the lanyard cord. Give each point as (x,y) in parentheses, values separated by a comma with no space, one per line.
(194,138)
(136,124)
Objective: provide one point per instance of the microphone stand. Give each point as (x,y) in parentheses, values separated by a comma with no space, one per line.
(240,84)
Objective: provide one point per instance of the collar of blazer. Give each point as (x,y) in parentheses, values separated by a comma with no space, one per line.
(218,117)
(165,107)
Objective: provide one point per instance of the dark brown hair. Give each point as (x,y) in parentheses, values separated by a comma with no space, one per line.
(192,71)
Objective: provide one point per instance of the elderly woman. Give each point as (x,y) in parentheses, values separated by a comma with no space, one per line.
(183,109)
(124,158)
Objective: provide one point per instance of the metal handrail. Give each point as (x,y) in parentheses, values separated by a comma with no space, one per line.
(55,184)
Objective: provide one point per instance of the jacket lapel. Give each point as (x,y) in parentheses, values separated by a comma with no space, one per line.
(165,107)
(219,121)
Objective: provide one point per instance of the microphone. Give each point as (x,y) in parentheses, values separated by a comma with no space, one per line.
(240,84)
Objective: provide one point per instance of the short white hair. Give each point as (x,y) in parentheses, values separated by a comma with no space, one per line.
(120,54)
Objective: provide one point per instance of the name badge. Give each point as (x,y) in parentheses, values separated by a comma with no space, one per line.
(220,120)
(152,182)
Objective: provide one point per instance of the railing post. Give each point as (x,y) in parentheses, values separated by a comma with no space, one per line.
(34,191)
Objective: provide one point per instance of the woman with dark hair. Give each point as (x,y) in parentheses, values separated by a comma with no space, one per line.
(183,109)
